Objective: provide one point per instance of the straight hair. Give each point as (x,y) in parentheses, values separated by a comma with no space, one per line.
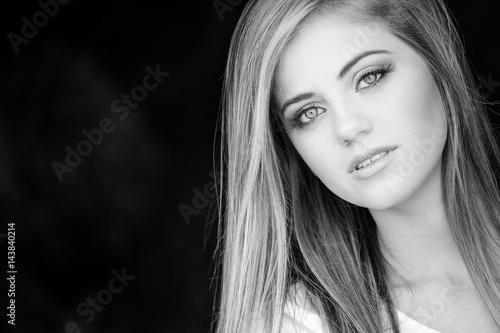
(279,225)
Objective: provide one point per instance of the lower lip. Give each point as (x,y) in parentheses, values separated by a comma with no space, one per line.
(374,168)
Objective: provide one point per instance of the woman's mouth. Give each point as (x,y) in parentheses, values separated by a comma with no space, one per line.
(370,160)
(369,164)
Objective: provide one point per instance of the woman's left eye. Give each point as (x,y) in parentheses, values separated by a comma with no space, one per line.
(372,78)
(306,115)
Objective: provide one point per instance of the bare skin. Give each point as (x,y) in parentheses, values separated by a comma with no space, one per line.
(344,115)
(446,308)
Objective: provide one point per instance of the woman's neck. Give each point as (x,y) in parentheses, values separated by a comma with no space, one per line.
(416,239)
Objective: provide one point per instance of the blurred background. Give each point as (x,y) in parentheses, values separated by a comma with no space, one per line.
(107,126)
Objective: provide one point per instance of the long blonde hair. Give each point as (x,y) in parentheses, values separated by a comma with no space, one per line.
(279,224)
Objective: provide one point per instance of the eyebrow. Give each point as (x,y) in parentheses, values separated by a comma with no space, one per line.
(294,100)
(342,73)
(356,59)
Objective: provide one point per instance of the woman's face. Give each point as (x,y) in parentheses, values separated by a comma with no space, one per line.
(363,111)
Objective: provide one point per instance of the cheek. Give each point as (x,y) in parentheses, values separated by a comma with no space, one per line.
(429,102)
(324,161)
(419,107)
(312,150)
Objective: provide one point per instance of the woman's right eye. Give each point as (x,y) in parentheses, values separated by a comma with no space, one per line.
(307,115)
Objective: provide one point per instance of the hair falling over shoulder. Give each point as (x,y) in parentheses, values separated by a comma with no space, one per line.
(280,225)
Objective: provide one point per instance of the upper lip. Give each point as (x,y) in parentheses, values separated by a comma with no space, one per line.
(367,154)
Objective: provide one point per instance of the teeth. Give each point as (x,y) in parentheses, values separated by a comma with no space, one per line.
(370,160)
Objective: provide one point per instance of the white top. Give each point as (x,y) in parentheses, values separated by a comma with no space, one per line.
(409,325)
(301,318)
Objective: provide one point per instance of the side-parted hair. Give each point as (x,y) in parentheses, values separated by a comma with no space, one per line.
(280,225)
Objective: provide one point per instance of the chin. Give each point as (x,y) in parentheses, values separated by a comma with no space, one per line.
(384,202)
(380,202)
(381,198)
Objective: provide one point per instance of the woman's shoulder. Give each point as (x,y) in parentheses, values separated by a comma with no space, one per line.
(300,316)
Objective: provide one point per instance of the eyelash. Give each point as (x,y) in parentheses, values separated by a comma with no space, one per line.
(382,71)
(296,119)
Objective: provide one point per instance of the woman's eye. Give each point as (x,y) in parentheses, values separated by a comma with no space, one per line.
(372,78)
(311,113)
(369,80)
(307,115)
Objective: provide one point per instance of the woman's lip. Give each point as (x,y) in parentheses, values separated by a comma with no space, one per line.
(367,154)
(375,167)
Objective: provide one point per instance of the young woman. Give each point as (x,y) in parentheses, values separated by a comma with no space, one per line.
(359,191)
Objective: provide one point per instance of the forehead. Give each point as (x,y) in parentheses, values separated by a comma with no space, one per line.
(324,44)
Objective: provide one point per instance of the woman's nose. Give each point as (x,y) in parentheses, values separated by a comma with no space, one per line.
(351,124)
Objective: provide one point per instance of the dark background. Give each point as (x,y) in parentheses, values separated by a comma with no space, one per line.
(119,208)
